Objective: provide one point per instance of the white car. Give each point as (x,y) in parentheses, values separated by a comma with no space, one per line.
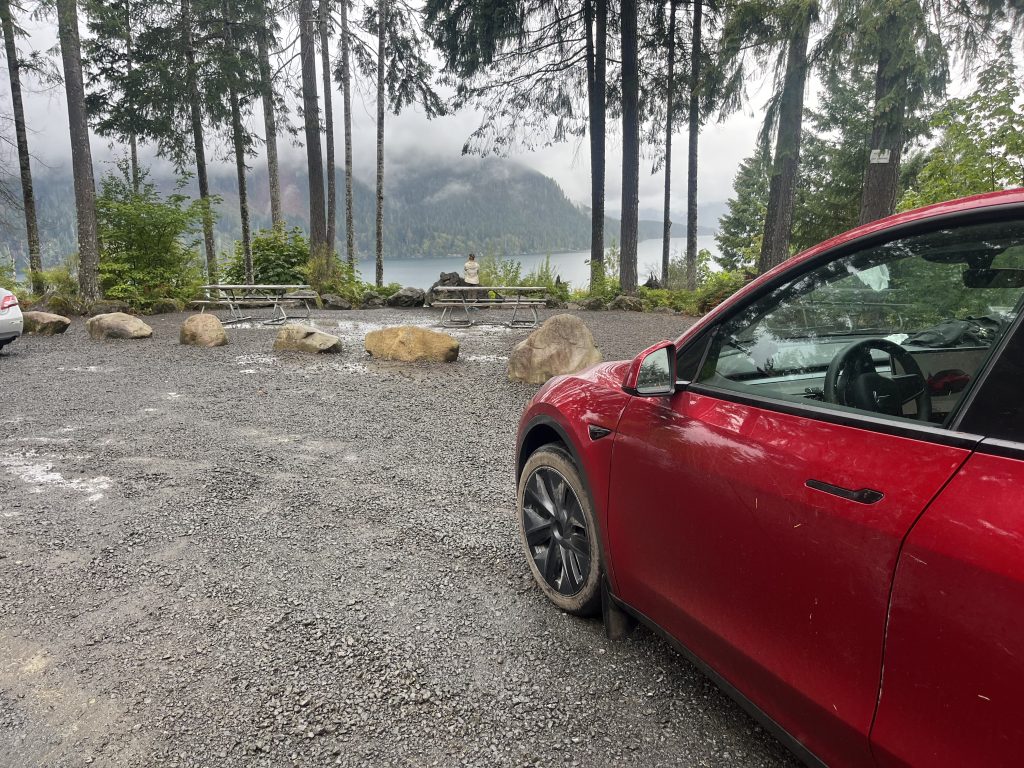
(10,318)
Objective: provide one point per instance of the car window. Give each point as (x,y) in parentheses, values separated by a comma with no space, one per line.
(997,409)
(898,330)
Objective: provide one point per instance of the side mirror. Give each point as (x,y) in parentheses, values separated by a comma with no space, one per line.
(653,372)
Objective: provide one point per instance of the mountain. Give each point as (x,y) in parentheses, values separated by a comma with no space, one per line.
(432,208)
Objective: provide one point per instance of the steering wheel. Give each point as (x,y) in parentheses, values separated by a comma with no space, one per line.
(853,381)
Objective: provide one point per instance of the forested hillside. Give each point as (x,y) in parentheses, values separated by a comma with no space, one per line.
(432,209)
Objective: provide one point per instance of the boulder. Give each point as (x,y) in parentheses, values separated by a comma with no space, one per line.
(448,279)
(203,331)
(371,300)
(45,324)
(165,306)
(117,325)
(411,344)
(553,302)
(563,344)
(627,304)
(407,297)
(594,303)
(302,338)
(333,301)
(109,307)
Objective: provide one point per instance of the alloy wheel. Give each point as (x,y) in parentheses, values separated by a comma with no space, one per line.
(556,531)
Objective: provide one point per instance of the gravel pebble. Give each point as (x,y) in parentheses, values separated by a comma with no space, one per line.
(230,557)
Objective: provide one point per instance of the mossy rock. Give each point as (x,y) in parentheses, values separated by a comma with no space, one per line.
(109,307)
(166,306)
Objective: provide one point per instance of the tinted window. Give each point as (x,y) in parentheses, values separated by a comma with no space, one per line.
(898,330)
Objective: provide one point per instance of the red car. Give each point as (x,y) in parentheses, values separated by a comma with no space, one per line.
(817,492)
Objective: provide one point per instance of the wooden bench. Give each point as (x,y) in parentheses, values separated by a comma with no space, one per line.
(475,297)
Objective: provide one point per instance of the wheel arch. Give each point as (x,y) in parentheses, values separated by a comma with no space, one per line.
(544,430)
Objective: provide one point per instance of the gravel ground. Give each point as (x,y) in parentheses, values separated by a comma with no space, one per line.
(231,557)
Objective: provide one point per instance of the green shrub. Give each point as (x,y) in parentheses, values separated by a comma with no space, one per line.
(149,242)
(279,257)
(7,280)
(717,288)
(500,271)
(545,275)
(386,291)
(60,279)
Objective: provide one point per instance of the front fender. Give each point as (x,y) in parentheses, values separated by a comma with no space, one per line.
(566,412)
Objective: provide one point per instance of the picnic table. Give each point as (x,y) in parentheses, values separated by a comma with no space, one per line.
(470,298)
(237,297)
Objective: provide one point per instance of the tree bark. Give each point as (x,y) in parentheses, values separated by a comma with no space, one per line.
(346,92)
(325,57)
(778,223)
(238,140)
(311,121)
(630,148)
(691,158)
(379,231)
(596,12)
(198,139)
(888,134)
(133,151)
(81,152)
(133,139)
(35,259)
(269,118)
(666,237)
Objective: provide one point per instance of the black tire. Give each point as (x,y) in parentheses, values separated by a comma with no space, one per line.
(559,531)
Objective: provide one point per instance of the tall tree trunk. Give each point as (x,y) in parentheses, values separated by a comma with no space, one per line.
(666,237)
(198,139)
(311,121)
(133,139)
(691,157)
(346,92)
(596,12)
(35,260)
(630,147)
(888,135)
(238,140)
(269,117)
(379,231)
(81,152)
(325,58)
(778,223)
(133,150)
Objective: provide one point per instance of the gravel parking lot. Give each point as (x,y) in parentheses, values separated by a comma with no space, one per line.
(230,557)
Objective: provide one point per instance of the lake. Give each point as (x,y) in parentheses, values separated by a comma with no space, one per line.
(572,267)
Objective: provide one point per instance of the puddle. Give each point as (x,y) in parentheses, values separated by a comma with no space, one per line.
(33,470)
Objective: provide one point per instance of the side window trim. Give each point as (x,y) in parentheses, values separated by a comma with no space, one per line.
(849,418)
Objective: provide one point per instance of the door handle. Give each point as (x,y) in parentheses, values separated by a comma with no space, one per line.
(861,496)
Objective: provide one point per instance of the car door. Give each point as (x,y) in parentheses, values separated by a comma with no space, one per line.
(759,522)
(954,652)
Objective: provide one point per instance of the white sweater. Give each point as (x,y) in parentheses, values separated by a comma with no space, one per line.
(472,269)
